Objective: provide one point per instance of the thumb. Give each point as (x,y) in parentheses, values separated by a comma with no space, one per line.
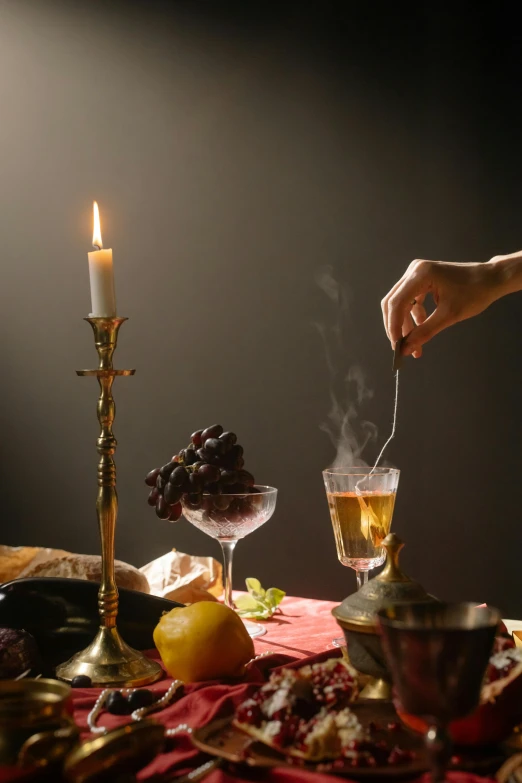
(437,321)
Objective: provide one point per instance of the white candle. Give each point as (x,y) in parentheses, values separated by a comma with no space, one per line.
(101,274)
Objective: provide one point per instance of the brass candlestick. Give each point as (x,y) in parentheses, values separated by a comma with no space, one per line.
(108,661)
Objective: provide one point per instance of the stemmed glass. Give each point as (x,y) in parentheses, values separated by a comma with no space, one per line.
(228,518)
(437,655)
(361,502)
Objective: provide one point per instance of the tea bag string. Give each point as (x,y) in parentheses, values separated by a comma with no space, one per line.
(394,426)
(394,423)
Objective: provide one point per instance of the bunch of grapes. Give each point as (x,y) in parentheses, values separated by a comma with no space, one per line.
(211,465)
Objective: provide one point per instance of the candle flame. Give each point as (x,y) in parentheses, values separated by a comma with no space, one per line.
(96,234)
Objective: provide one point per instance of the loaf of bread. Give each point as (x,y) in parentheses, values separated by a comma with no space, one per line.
(89,567)
(14,560)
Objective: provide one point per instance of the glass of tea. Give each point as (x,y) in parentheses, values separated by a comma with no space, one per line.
(361,502)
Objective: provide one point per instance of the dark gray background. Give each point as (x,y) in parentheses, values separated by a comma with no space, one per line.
(235,150)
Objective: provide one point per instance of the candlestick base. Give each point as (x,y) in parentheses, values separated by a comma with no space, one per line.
(109,662)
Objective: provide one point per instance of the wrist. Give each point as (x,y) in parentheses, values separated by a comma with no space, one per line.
(506,274)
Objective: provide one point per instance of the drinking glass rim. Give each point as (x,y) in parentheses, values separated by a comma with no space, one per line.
(264,490)
(361,471)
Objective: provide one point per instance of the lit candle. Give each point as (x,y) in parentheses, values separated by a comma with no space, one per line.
(101,273)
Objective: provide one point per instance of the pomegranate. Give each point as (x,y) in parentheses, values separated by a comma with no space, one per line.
(500,707)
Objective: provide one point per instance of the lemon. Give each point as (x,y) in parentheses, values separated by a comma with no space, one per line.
(203,641)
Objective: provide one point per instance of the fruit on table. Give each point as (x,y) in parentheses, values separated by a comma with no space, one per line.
(500,707)
(18,653)
(306,713)
(203,641)
(117,704)
(81,681)
(212,464)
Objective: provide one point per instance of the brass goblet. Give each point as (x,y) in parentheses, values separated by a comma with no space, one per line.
(437,654)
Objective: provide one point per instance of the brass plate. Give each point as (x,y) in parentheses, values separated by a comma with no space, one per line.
(224,740)
(127,749)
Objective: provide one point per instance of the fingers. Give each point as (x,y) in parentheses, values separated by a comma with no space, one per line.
(419,315)
(437,321)
(384,306)
(400,304)
(402,298)
(407,324)
(418,312)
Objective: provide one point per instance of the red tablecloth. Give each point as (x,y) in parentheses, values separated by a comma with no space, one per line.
(304,628)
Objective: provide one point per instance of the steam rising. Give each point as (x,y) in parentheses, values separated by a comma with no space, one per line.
(349,433)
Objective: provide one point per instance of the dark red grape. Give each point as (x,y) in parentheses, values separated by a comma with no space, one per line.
(209,473)
(236,489)
(246,509)
(193,500)
(190,456)
(179,477)
(207,503)
(214,488)
(230,438)
(228,477)
(141,698)
(175,512)
(240,463)
(211,432)
(181,456)
(166,470)
(215,445)
(246,478)
(196,482)
(196,438)
(162,510)
(153,496)
(117,704)
(160,483)
(81,681)
(254,490)
(172,494)
(150,478)
(232,460)
(207,456)
(221,502)
(216,515)
(232,514)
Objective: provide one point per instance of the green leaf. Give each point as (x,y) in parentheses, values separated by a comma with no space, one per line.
(247,602)
(252,608)
(254,587)
(259,604)
(274,596)
(261,615)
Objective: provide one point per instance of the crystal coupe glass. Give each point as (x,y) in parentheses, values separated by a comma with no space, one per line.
(228,518)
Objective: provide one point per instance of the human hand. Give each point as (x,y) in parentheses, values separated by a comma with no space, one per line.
(459,291)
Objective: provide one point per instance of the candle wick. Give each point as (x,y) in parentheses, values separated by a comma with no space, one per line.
(97,247)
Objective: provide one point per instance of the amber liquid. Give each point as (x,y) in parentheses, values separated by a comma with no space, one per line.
(360,523)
